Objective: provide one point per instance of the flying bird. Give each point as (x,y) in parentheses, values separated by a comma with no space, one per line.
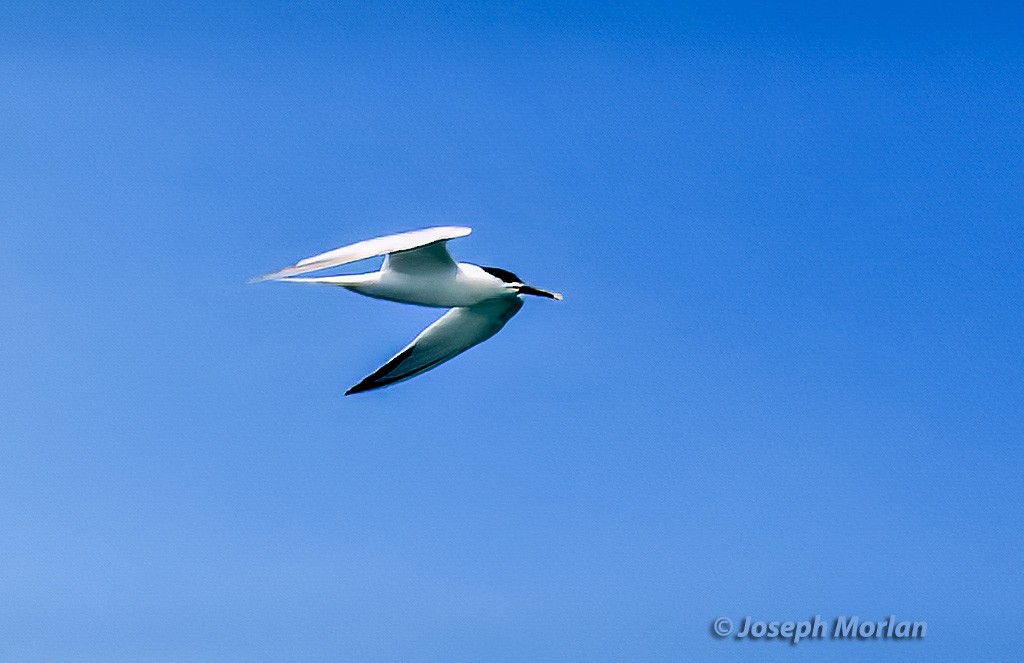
(418,269)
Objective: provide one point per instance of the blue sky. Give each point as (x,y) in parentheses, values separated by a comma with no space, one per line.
(786,379)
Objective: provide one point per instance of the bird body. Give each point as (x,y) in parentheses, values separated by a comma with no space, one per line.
(465,285)
(418,269)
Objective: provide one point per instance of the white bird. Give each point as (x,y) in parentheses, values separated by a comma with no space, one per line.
(418,269)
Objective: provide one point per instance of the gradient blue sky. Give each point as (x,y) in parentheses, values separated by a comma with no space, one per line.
(786,380)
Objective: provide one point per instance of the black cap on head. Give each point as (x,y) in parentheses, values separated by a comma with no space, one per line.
(503,274)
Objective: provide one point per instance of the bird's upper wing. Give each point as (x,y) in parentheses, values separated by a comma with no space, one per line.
(453,333)
(429,258)
(417,245)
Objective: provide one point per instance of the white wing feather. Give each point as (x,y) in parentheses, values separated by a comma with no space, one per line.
(391,244)
(452,334)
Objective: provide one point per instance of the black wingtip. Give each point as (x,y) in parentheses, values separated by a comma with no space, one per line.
(366,384)
(376,379)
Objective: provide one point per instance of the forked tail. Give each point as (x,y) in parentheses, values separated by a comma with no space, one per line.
(343,280)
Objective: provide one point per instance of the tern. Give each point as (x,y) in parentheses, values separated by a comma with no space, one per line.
(418,269)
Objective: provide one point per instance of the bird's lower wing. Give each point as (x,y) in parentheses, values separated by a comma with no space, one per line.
(453,333)
(370,248)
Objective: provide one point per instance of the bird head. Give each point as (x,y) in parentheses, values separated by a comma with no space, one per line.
(515,284)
